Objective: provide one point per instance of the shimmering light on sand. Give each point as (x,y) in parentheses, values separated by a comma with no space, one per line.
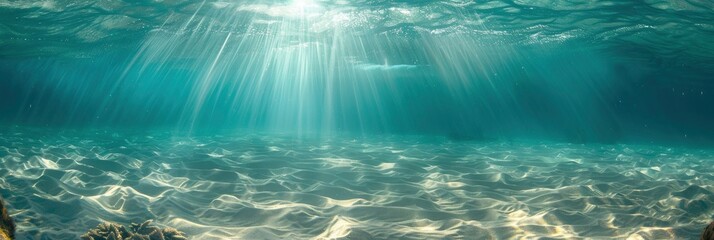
(166,180)
(430,229)
(48,163)
(339,162)
(339,227)
(653,233)
(386,166)
(115,197)
(360,189)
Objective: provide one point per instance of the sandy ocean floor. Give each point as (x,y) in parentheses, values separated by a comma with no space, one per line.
(387,187)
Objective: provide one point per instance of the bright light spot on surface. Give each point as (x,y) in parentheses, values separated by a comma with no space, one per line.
(302,3)
(304,7)
(292,9)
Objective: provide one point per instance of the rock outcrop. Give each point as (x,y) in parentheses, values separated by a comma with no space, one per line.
(144,231)
(7,225)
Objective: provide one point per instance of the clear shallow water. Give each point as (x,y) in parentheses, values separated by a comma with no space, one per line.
(397,119)
(272,186)
(574,71)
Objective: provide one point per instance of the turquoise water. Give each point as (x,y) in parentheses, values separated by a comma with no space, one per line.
(311,119)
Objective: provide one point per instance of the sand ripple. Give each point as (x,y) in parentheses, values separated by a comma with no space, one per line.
(276,187)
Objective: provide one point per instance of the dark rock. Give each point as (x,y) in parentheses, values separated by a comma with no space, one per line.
(7,225)
(708,233)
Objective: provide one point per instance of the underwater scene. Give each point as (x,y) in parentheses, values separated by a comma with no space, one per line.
(356,119)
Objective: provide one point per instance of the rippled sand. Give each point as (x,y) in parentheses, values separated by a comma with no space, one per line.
(59,185)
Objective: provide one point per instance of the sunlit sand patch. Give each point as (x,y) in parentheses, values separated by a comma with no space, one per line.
(402,157)
(653,233)
(72,178)
(339,227)
(455,184)
(342,191)
(386,166)
(166,180)
(430,229)
(247,155)
(165,166)
(517,215)
(115,176)
(396,151)
(345,203)
(133,163)
(589,208)
(208,232)
(319,148)
(536,225)
(48,163)
(114,198)
(339,162)
(574,160)
(430,184)
(431,168)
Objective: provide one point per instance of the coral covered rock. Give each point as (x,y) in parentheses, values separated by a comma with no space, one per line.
(7,225)
(144,231)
